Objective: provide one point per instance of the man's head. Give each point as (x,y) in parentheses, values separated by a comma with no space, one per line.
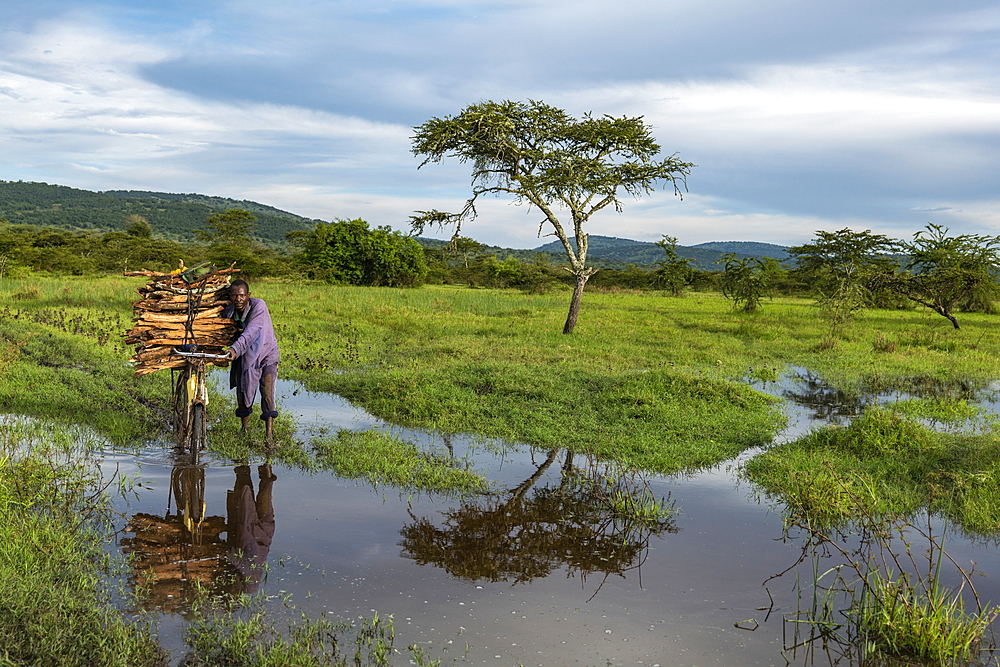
(239,292)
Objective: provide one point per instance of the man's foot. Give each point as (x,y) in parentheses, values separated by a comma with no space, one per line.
(269,431)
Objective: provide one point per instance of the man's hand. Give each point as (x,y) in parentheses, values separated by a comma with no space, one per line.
(230,354)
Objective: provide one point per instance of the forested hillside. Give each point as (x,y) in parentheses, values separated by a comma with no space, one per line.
(172,216)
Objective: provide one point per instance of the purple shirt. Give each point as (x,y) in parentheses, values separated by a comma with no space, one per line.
(256,347)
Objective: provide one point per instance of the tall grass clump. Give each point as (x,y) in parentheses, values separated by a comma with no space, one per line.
(919,620)
(884,603)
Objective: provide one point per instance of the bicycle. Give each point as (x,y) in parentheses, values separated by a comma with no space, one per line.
(191,399)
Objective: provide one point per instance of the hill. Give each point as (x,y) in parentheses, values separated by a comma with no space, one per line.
(747,248)
(173,216)
(645,253)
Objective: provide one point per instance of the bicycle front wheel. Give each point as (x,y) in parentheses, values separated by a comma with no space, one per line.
(197,427)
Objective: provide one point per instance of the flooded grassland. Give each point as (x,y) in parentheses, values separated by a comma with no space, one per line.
(615,524)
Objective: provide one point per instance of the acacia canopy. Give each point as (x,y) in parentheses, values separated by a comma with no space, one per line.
(542,156)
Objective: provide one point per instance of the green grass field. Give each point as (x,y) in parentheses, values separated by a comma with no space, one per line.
(648,380)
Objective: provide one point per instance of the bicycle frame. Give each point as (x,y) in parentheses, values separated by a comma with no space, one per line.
(190,401)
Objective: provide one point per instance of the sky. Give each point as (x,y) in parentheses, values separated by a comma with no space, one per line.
(800,116)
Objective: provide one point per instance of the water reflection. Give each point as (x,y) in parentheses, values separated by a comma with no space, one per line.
(187,548)
(578,523)
(251,525)
(824,403)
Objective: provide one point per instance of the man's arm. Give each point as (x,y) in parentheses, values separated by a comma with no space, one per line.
(256,321)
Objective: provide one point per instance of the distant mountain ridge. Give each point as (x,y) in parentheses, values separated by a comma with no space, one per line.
(748,248)
(646,253)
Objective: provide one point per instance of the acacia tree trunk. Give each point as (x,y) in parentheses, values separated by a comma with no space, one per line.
(574,305)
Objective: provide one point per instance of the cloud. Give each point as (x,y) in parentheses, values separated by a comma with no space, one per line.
(799,116)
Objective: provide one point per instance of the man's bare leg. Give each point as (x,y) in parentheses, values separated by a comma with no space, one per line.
(246,424)
(267,404)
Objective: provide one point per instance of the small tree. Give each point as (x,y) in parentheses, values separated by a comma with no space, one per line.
(541,156)
(230,228)
(747,280)
(465,246)
(674,273)
(138,226)
(943,270)
(839,266)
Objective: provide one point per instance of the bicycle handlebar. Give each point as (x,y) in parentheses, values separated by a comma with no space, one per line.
(200,355)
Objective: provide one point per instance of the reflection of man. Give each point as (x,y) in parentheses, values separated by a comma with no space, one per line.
(251,524)
(254,354)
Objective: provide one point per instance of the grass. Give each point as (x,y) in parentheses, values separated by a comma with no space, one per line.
(889,593)
(385,459)
(56,611)
(63,360)
(919,622)
(886,462)
(646,379)
(246,637)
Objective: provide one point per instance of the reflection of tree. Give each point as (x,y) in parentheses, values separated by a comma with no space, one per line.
(827,403)
(520,537)
(175,554)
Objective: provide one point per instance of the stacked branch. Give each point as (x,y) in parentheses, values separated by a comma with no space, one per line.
(175,309)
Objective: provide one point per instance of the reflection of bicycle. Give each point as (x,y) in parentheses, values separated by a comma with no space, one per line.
(187,486)
(191,399)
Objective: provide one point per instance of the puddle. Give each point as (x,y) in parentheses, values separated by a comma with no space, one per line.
(530,576)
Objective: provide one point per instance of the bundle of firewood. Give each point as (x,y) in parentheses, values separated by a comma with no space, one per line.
(179,308)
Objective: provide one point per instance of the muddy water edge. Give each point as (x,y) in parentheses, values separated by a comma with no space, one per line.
(501,579)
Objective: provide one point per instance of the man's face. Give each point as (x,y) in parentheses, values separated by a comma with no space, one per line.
(240,296)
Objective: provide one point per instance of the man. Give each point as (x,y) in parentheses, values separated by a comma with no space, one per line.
(254,354)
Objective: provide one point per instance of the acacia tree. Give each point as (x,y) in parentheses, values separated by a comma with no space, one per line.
(839,265)
(674,273)
(747,280)
(565,167)
(943,270)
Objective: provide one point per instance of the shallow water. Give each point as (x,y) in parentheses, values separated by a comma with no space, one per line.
(499,580)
